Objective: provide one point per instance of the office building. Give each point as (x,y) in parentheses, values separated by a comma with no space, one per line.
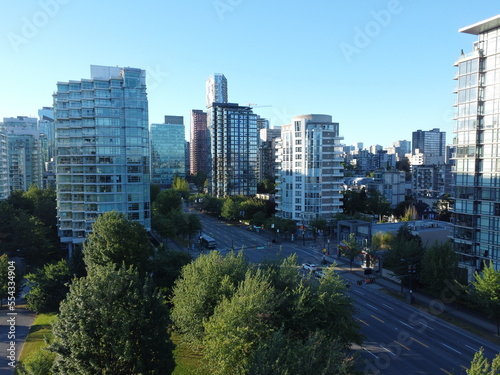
(310,175)
(168,158)
(24,152)
(199,143)
(4,166)
(476,174)
(102,150)
(233,137)
(431,144)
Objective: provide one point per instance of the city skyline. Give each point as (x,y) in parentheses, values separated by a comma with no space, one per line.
(298,58)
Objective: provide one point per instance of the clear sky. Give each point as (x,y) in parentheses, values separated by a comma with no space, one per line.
(381,68)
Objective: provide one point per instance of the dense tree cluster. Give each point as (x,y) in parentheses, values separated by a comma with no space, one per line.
(28,226)
(250,319)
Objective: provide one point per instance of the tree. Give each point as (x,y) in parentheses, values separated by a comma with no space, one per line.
(167,266)
(238,323)
(439,268)
(481,366)
(410,214)
(181,186)
(7,278)
(202,285)
(166,201)
(442,206)
(486,292)
(382,240)
(44,205)
(47,287)
(318,224)
(351,248)
(154,191)
(112,322)
(378,204)
(115,239)
(230,209)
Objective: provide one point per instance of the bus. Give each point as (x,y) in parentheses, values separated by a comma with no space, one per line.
(208,241)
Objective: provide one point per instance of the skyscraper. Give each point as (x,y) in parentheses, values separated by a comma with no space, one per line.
(102,147)
(216,89)
(4,166)
(233,137)
(168,157)
(431,144)
(267,153)
(311,175)
(23,152)
(476,174)
(199,143)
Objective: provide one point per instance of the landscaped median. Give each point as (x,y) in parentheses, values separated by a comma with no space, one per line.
(40,333)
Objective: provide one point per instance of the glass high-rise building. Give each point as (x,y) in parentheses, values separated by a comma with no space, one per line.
(102,150)
(310,175)
(4,167)
(24,152)
(168,157)
(233,137)
(431,144)
(216,89)
(476,174)
(200,143)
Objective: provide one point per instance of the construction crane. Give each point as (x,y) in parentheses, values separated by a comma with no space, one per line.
(257,106)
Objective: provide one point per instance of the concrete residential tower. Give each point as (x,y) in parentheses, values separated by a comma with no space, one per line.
(311,176)
(102,148)
(476,175)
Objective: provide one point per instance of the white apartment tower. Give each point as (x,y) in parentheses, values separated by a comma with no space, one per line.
(476,174)
(310,175)
(102,150)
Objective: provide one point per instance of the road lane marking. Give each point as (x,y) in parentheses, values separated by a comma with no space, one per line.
(383,347)
(369,352)
(380,320)
(421,343)
(392,308)
(426,326)
(362,321)
(397,342)
(442,369)
(373,307)
(475,350)
(409,326)
(357,291)
(449,347)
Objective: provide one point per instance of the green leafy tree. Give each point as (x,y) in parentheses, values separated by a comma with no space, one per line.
(318,224)
(44,205)
(199,180)
(115,239)
(202,285)
(37,363)
(382,240)
(167,267)
(181,186)
(154,191)
(351,248)
(439,268)
(281,353)
(47,287)
(481,366)
(166,201)
(237,325)
(377,204)
(230,209)
(442,206)
(112,322)
(259,218)
(486,292)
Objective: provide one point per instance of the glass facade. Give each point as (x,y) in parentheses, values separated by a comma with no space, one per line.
(168,157)
(476,182)
(102,148)
(233,138)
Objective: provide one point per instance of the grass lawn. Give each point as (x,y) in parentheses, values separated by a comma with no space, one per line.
(40,330)
(187,362)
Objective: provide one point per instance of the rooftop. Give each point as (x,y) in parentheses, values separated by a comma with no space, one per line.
(482,26)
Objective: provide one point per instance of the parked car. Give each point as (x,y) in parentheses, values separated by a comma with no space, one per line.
(310,267)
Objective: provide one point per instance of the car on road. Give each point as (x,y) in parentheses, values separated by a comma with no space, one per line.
(319,274)
(310,267)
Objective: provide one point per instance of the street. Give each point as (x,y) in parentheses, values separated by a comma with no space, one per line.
(400,338)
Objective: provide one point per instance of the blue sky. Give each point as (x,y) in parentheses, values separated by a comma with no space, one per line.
(381,68)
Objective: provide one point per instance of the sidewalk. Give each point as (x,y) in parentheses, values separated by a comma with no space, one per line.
(426,301)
